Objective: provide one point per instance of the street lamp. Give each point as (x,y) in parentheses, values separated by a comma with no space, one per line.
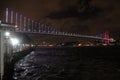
(14,41)
(10,40)
(7,34)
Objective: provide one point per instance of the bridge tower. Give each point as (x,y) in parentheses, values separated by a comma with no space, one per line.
(106,37)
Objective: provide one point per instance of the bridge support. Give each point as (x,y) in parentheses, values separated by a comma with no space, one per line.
(106,37)
(2,51)
(5,49)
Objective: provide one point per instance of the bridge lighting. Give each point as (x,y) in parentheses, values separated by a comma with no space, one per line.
(7,34)
(16,18)
(11,16)
(14,41)
(16,26)
(6,15)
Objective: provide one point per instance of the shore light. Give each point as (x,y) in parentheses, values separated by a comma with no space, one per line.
(14,41)
(7,34)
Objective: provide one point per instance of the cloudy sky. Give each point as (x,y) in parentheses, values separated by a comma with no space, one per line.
(82,16)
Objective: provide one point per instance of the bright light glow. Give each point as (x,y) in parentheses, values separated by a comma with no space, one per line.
(7,34)
(79,44)
(112,40)
(16,26)
(14,41)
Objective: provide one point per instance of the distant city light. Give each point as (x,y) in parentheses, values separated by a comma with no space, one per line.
(112,40)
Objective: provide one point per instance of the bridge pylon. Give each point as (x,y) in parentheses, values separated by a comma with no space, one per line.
(106,37)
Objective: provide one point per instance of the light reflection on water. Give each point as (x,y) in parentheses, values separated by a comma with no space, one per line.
(69,64)
(24,67)
(34,67)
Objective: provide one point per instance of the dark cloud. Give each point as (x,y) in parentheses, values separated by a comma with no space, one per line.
(82,10)
(83,29)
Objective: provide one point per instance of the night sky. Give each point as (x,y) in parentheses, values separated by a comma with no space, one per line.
(82,16)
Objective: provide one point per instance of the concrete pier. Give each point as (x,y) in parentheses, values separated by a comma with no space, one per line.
(2,51)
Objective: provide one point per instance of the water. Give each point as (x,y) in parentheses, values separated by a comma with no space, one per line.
(69,64)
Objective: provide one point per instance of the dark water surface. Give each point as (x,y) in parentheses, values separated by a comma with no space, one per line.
(70,63)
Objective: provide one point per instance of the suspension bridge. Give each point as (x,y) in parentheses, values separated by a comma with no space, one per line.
(15,22)
(21,24)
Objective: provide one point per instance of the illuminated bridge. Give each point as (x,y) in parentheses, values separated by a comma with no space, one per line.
(14,23)
(21,24)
